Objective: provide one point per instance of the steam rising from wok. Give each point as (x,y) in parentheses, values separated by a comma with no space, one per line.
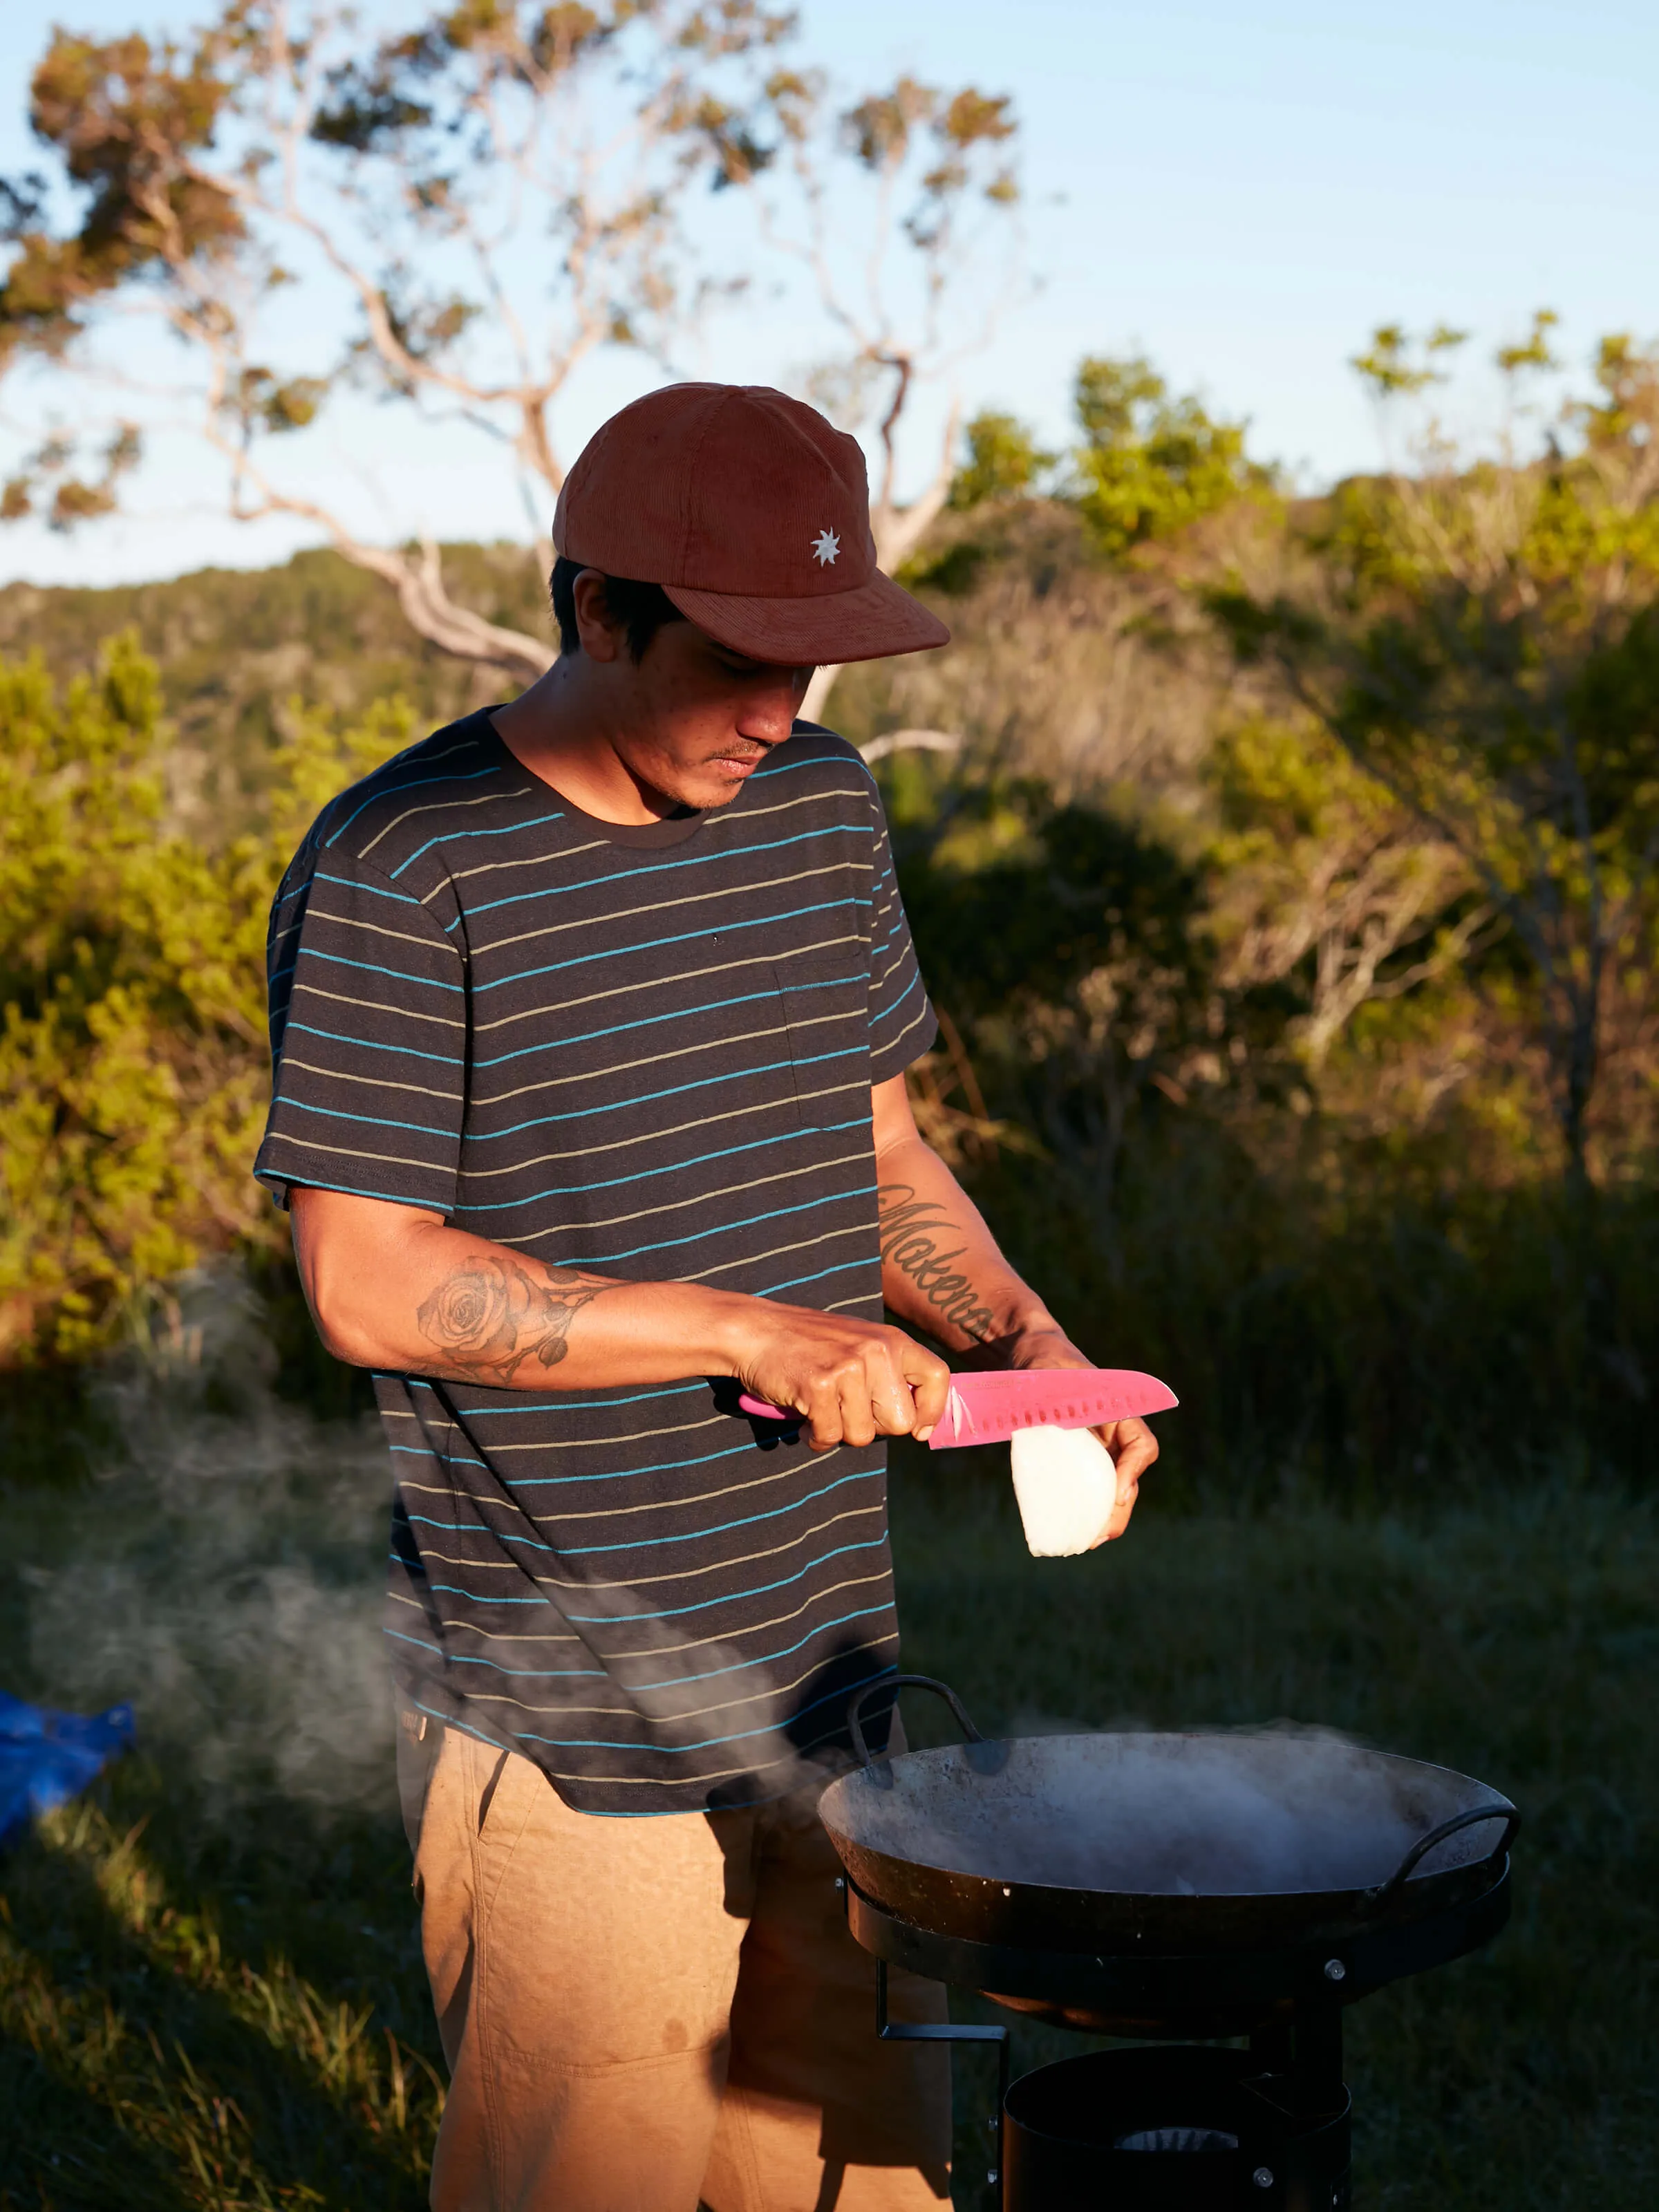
(1245,1815)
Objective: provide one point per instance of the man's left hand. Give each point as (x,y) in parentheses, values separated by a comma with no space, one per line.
(1131,1442)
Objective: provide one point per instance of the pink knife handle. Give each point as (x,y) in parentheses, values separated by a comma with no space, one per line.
(761,1411)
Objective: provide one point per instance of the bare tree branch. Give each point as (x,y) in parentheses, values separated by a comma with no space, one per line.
(902,741)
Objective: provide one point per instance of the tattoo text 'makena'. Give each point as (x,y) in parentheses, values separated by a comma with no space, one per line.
(912,1230)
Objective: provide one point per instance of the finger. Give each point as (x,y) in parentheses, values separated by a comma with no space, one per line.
(1133,1449)
(1118,1520)
(823,1415)
(888,1390)
(858,1408)
(1123,1511)
(929,1380)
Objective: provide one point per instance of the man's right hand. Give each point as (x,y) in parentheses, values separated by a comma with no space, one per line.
(394,1286)
(851,1381)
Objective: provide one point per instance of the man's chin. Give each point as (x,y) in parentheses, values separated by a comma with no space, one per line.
(716,784)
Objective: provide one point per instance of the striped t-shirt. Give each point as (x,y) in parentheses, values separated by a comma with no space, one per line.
(647,1051)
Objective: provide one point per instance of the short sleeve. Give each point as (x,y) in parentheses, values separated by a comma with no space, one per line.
(902,1022)
(368,1037)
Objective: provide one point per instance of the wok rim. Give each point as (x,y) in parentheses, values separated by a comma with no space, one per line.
(1155,1901)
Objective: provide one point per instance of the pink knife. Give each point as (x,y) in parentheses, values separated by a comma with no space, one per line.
(986,1409)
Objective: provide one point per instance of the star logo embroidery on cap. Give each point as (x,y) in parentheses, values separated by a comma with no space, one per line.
(825,546)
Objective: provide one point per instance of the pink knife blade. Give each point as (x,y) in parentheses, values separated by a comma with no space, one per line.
(986,1409)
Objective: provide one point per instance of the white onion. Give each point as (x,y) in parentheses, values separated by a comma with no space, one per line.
(1066,1486)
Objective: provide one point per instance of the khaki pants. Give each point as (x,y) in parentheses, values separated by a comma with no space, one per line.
(656,2015)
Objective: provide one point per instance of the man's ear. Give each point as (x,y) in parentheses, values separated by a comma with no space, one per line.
(601,635)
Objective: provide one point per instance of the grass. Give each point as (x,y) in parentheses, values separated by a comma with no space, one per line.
(210,1995)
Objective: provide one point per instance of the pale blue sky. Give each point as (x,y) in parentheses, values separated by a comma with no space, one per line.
(1241,192)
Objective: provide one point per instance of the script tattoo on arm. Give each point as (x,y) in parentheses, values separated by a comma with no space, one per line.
(912,1231)
(490,1314)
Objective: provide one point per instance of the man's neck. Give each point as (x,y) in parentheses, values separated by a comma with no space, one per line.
(552,731)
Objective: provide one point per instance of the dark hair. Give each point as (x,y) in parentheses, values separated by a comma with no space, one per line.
(642,608)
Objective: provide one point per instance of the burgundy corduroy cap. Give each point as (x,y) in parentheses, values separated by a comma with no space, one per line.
(752,513)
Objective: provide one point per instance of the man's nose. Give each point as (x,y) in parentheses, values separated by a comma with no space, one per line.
(768,715)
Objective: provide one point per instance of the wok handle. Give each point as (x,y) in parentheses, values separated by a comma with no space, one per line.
(1420,1849)
(888,1683)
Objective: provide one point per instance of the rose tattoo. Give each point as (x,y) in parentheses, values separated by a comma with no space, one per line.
(498,1314)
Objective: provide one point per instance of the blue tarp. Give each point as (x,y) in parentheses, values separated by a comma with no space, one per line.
(46,1757)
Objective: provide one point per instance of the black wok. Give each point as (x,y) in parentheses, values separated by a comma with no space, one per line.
(1164,1844)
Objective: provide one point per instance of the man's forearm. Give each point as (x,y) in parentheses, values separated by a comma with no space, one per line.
(418,1296)
(395,1287)
(940,1267)
(941,1270)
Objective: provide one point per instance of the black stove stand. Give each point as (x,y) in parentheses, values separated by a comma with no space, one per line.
(1180,2126)
(1185,2125)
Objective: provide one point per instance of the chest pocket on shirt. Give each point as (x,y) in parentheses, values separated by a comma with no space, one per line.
(825,1006)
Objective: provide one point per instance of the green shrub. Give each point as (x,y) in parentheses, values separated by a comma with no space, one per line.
(133,1063)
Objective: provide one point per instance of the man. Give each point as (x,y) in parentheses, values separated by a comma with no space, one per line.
(590,1018)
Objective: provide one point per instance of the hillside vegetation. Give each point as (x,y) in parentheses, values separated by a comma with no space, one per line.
(236,649)
(1290,906)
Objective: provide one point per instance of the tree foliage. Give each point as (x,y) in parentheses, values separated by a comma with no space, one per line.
(133,1068)
(452,220)
(1003,460)
(1481,636)
(1150,463)
(1319,867)
(1146,465)
(1064,940)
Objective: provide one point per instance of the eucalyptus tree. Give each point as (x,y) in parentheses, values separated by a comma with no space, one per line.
(453,217)
(1481,636)
(1321,873)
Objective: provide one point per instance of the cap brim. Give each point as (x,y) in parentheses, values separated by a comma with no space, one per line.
(867,623)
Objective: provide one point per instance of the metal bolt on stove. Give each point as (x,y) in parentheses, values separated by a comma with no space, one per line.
(1177,1889)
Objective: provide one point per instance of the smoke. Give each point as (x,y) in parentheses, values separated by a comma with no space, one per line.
(224,1572)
